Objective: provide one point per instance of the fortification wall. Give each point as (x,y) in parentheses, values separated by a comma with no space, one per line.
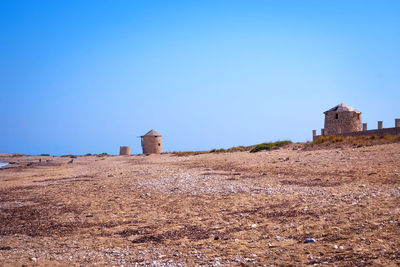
(377,132)
(152,144)
(338,123)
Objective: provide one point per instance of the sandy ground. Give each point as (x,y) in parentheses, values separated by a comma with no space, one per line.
(212,209)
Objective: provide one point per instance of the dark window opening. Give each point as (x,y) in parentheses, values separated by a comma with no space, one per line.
(159,144)
(337,116)
(358,116)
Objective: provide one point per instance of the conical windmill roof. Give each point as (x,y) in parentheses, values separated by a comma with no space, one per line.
(152,133)
(342,108)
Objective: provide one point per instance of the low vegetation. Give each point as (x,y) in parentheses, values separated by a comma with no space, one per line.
(269,146)
(357,141)
(66,156)
(189,153)
(102,155)
(251,149)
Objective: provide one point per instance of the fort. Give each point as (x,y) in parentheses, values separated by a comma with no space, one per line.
(344,120)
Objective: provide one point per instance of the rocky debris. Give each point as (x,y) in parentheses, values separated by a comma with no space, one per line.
(202,219)
(144,195)
(309,240)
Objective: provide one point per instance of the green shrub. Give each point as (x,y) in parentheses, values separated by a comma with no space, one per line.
(221,150)
(269,146)
(44,155)
(189,153)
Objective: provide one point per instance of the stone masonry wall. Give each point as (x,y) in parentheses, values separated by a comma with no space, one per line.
(377,132)
(338,123)
(152,144)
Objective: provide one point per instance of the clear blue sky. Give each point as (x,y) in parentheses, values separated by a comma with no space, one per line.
(88,76)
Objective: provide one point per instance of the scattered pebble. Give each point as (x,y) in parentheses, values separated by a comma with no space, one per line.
(144,195)
(309,240)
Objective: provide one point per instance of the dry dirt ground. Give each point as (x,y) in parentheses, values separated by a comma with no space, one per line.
(212,209)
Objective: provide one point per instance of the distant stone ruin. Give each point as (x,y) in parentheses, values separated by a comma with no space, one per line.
(343,120)
(124,151)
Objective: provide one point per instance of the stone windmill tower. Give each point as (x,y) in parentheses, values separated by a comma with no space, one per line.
(151,143)
(342,119)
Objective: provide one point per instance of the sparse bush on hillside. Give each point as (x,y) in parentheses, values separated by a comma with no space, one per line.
(356,141)
(221,150)
(252,149)
(102,155)
(44,155)
(189,153)
(329,139)
(269,146)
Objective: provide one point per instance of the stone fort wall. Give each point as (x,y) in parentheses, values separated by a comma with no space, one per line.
(338,123)
(380,131)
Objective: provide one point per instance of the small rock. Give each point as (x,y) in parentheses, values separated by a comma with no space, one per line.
(110,175)
(277,238)
(33,259)
(335,247)
(363,185)
(253,225)
(341,247)
(309,240)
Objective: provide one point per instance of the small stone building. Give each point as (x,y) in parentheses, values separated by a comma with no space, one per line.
(124,151)
(151,143)
(342,119)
